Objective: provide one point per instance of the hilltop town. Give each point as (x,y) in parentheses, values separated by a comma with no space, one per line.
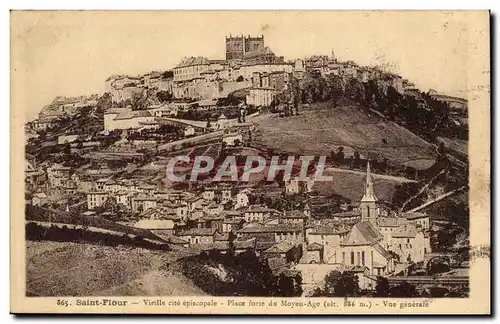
(394,221)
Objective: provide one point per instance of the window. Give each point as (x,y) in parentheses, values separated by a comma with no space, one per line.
(343,257)
(358,259)
(363,258)
(352,257)
(408,241)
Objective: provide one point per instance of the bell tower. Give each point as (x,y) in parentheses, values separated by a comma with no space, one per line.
(368,204)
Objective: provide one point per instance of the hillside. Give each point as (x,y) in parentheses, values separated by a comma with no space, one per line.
(319,131)
(70,269)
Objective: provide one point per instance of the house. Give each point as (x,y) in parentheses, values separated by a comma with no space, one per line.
(198,235)
(190,68)
(314,253)
(276,233)
(124,198)
(208,194)
(293,217)
(231,225)
(58,175)
(232,214)
(292,187)
(258,214)
(143,202)
(241,200)
(260,96)
(195,203)
(214,209)
(387,226)
(418,218)
(181,211)
(329,238)
(39,199)
(100,183)
(408,242)
(288,251)
(43,124)
(147,189)
(226,195)
(96,199)
(111,186)
(211,221)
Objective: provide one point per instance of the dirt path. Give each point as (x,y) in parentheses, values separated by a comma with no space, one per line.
(374,175)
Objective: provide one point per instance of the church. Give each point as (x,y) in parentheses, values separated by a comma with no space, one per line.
(377,242)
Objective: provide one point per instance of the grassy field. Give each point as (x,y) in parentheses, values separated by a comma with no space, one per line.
(319,131)
(70,269)
(352,186)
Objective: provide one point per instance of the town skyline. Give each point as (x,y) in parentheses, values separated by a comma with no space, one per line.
(94,46)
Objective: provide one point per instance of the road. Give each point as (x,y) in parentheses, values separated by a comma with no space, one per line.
(374,175)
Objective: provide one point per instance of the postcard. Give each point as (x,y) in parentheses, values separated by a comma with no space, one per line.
(250,162)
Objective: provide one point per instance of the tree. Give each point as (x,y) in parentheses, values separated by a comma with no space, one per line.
(331,280)
(357,159)
(105,102)
(67,149)
(339,285)
(240,79)
(382,287)
(404,289)
(347,285)
(164,96)
(229,205)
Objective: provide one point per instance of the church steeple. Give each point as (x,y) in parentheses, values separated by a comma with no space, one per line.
(369,193)
(368,204)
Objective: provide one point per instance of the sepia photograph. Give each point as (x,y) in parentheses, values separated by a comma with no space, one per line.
(318,158)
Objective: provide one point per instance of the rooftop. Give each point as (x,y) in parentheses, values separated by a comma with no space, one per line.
(415,215)
(362,233)
(314,247)
(391,221)
(155,224)
(129,114)
(405,231)
(270,228)
(198,232)
(190,61)
(280,247)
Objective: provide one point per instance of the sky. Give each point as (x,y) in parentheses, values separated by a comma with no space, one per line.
(73,53)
